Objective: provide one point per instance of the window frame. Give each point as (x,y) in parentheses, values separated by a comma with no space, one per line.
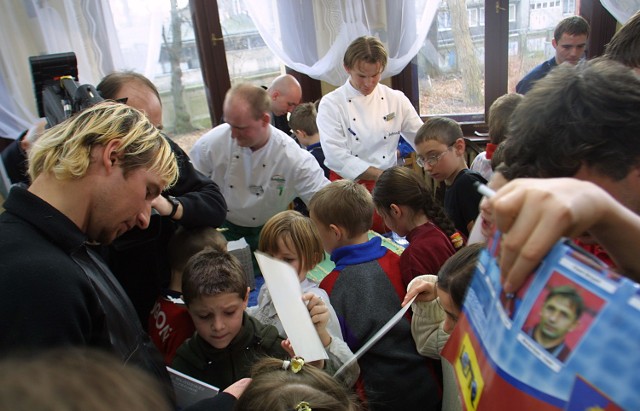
(205,16)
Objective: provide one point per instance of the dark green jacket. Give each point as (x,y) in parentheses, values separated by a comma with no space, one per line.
(221,368)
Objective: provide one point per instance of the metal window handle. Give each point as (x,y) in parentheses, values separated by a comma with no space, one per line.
(215,39)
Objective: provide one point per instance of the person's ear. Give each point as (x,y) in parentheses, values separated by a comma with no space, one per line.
(336,231)
(266,118)
(554,43)
(347,69)
(395,210)
(459,146)
(110,155)
(275,95)
(245,301)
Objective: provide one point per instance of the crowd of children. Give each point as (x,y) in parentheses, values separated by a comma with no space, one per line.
(202,323)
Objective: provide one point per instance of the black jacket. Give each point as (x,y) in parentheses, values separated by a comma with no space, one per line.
(55,291)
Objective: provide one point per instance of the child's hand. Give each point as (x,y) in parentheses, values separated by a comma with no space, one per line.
(425,291)
(319,316)
(286,345)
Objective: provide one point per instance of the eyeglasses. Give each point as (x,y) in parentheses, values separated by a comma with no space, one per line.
(431,160)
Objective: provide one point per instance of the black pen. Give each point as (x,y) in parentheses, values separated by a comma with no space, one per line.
(351,131)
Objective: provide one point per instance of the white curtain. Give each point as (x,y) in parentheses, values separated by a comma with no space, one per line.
(85,27)
(312,36)
(622,10)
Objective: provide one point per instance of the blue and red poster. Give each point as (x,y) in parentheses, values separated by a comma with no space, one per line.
(568,340)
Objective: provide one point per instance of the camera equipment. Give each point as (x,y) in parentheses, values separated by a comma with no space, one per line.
(58,93)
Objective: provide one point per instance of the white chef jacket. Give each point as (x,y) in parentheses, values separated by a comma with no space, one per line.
(358,131)
(257,184)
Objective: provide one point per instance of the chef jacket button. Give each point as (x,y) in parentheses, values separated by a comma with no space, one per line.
(230,186)
(354,119)
(237,156)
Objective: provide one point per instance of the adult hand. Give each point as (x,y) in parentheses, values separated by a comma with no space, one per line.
(533,214)
(237,388)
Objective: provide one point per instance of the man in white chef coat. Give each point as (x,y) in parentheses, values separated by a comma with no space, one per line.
(258,168)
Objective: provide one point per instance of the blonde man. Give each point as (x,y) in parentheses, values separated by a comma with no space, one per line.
(94,177)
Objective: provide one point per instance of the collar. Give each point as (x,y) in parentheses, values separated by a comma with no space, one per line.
(313,146)
(54,225)
(351,92)
(358,253)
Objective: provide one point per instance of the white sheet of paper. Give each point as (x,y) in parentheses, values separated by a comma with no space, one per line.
(284,287)
(385,328)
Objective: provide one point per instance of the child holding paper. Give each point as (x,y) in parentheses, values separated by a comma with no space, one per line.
(293,238)
(228,341)
(366,291)
(436,310)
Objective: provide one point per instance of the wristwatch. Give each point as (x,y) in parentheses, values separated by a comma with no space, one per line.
(174,203)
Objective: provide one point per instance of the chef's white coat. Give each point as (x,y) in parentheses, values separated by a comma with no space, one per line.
(257,184)
(358,131)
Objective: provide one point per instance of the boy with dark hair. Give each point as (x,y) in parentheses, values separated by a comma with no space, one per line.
(440,149)
(227,341)
(569,40)
(169,322)
(366,290)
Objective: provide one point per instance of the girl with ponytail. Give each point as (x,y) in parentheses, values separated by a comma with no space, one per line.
(408,208)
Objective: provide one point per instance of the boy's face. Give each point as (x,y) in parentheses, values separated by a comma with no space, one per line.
(442,162)
(218,318)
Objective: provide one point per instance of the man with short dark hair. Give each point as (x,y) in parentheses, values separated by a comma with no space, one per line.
(569,40)
(559,315)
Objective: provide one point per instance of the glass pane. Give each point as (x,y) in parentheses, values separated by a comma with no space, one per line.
(455,41)
(531,32)
(248,57)
(145,35)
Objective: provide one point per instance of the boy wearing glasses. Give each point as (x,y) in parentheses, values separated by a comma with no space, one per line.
(440,149)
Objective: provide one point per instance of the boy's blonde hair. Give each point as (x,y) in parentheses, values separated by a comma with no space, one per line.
(442,129)
(212,272)
(275,388)
(303,117)
(65,149)
(187,242)
(366,49)
(298,232)
(346,204)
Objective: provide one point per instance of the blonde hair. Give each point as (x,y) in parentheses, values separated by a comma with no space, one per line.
(298,232)
(276,389)
(65,150)
(255,97)
(63,379)
(346,204)
(365,49)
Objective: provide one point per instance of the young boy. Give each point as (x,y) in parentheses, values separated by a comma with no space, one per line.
(169,322)
(440,151)
(366,291)
(227,341)
(303,124)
